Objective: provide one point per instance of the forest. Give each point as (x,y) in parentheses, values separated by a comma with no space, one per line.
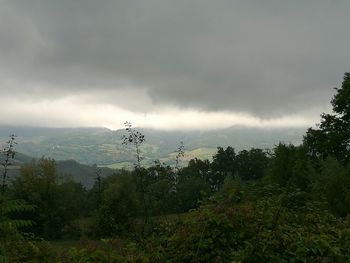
(286,204)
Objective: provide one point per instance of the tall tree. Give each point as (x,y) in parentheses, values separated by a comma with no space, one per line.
(137,138)
(333,136)
(56,203)
(282,164)
(224,164)
(251,164)
(8,154)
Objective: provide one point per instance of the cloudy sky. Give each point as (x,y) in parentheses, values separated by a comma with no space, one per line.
(171,64)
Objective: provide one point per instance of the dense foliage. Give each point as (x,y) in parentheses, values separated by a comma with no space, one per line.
(332,138)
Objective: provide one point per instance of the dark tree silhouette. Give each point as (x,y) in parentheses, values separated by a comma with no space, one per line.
(98,181)
(136,138)
(180,152)
(333,136)
(8,154)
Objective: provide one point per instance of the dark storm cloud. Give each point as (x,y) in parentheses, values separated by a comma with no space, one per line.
(261,57)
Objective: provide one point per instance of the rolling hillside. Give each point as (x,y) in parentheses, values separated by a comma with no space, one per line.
(103,147)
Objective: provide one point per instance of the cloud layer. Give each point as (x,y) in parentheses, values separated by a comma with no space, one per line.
(266,59)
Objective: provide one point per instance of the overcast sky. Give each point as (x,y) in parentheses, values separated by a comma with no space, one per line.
(171,64)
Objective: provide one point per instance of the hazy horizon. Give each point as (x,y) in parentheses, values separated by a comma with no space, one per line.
(179,129)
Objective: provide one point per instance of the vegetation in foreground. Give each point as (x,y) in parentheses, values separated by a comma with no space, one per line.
(290,204)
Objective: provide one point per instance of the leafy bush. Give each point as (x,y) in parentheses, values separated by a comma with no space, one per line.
(273,228)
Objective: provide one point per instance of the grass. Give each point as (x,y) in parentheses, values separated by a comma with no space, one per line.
(121,165)
(200,153)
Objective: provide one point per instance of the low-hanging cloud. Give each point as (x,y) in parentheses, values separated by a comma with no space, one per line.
(265,58)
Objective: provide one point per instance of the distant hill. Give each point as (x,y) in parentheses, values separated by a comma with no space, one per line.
(104,147)
(80,173)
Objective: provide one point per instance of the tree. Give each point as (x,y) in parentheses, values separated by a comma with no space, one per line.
(194,181)
(119,205)
(334,183)
(56,203)
(137,138)
(223,165)
(333,136)
(283,160)
(251,164)
(303,172)
(160,185)
(291,166)
(180,152)
(98,180)
(9,154)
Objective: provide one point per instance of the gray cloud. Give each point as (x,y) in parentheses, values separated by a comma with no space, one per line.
(266,58)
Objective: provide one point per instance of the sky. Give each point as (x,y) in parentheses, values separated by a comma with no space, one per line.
(197,64)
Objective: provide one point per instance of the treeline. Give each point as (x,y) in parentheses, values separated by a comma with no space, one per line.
(288,204)
(115,201)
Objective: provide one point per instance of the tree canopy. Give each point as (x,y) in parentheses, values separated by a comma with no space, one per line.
(333,136)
